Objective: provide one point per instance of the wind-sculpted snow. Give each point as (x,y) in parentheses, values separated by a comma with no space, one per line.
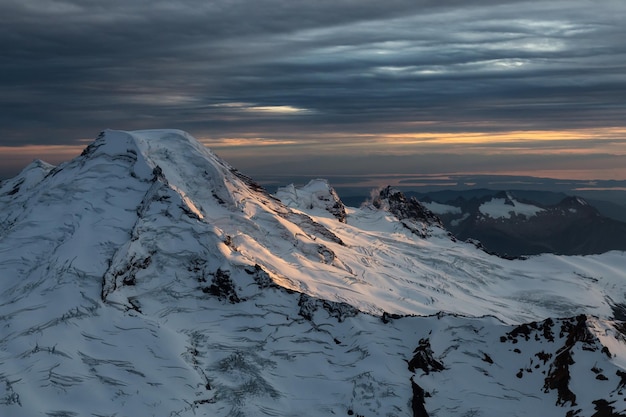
(316,195)
(148,277)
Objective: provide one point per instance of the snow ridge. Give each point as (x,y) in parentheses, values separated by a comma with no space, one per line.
(317,194)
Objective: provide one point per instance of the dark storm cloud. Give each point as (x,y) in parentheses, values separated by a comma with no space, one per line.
(275,67)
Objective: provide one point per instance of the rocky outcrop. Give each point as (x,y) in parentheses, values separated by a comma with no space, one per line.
(309,305)
(413,215)
(424,359)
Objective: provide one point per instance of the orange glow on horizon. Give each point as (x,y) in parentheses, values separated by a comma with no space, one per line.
(511,136)
(372,141)
(35,150)
(604,147)
(18,157)
(246,141)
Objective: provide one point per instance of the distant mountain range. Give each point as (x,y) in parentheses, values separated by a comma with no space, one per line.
(518,223)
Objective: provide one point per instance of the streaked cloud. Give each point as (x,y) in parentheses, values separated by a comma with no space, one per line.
(353,78)
(253,108)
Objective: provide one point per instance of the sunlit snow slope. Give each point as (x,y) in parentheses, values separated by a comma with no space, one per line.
(149,277)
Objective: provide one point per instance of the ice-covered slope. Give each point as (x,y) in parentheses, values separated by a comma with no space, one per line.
(148,277)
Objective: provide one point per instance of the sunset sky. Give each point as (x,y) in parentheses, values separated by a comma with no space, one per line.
(325,87)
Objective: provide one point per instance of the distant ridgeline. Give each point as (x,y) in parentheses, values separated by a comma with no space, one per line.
(518,223)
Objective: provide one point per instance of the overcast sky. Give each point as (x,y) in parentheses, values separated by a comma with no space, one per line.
(324,87)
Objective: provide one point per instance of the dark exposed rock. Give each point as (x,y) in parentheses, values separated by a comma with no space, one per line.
(424,359)
(127,275)
(543,356)
(308,306)
(413,215)
(576,331)
(604,409)
(339,310)
(134,304)
(261,277)
(334,205)
(222,287)
(559,376)
(197,267)
(525,330)
(404,208)
(16,188)
(327,255)
(478,245)
(189,213)
(622,382)
(93,147)
(546,327)
(310,226)
(571,332)
(339,211)
(228,241)
(157,175)
(417,403)
(250,182)
(329,200)
(388,317)
(619,312)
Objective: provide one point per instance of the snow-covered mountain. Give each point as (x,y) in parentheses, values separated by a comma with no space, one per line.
(509,225)
(149,277)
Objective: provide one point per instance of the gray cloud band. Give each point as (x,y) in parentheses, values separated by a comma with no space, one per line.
(223,67)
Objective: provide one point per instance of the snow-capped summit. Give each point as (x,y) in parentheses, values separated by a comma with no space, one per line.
(317,194)
(149,277)
(26,179)
(177,159)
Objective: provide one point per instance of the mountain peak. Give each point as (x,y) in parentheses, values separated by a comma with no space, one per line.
(413,214)
(316,194)
(164,148)
(151,277)
(575,202)
(30,176)
(177,159)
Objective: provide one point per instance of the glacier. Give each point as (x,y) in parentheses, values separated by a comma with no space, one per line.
(149,277)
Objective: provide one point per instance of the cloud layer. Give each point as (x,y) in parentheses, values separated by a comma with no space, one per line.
(341,77)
